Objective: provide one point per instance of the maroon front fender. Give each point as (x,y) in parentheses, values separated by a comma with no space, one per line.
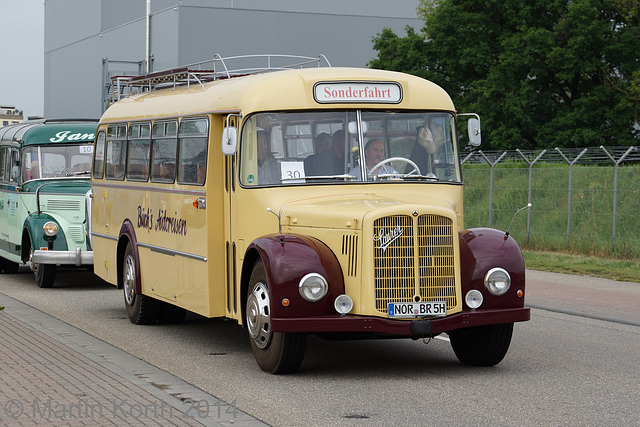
(482,249)
(287,261)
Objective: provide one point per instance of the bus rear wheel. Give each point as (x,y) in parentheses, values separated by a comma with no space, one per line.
(141,309)
(275,352)
(9,267)
(482,345)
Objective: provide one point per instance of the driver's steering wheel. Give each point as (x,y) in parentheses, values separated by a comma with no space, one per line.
(401,159)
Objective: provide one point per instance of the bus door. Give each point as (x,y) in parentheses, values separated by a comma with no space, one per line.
(233,248)
(14,205)
(5,198)
(187,222)
(10,229)
(159,261)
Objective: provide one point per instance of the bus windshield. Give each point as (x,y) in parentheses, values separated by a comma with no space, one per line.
(285,148)
(56,161)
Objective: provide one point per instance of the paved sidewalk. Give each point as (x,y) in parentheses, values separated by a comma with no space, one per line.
(54,374)
(586,296)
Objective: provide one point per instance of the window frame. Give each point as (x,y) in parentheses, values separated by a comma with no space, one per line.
(130,141)
(162,137)
(121,166)
(184,136)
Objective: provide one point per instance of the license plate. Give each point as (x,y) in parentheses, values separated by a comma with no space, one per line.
(417,309)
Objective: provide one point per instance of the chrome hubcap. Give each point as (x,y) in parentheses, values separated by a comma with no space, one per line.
(129,280)
(34,265)
(258,315)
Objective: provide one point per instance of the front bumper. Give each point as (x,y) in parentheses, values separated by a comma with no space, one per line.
(408,328)
(77,257)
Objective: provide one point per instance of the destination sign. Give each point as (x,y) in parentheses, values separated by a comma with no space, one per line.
(357,92)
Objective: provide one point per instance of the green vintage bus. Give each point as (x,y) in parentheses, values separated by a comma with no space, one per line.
(45,170)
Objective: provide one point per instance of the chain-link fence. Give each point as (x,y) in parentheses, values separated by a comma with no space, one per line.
(585,200)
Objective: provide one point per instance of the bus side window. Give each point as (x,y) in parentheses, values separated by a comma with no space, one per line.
(98,160)
(116,151)
(4,164)
(164,143)
(138,152)
(192,154)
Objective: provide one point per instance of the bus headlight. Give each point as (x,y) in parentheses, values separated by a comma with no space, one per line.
(313,287)
(50,229)
(473,299)
(497,281)
(343,304)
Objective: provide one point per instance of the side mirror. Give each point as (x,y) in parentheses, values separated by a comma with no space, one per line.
(229,140)
(473,128)
(15,173)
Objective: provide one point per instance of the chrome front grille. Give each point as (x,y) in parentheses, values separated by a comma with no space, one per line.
(414,260)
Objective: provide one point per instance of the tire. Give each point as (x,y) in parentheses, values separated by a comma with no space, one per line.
(275,352)
(10,267)
(482,345)
(2,262)
(45,274)
(141,309)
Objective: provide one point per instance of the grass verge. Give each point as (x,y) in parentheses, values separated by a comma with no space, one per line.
(627,270)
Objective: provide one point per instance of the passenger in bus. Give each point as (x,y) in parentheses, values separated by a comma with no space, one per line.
(268,166)
(323,143)
(329,162)
(373,154)
(423,149)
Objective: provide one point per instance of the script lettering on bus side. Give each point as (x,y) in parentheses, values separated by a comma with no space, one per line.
(170,224)
(167,224)
(145,218)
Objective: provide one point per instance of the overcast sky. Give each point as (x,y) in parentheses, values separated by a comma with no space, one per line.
(22,55)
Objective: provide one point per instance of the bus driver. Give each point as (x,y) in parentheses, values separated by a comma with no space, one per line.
(373,154)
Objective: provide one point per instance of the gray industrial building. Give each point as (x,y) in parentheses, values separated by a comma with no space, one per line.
(89,42)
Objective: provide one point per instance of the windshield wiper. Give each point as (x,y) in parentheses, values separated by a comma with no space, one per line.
(78,173)
(345,177)
(427,177)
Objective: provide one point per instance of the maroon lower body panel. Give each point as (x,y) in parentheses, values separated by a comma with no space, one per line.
(416,327)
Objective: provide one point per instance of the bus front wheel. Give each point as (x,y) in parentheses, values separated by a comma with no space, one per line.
(45,274)
(482,345)
(141,309)
(275,352)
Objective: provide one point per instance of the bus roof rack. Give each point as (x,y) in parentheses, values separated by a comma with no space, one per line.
(215,69)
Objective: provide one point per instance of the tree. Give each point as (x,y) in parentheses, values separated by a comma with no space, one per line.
(541,74)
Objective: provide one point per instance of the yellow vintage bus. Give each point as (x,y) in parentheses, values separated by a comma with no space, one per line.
(310,200)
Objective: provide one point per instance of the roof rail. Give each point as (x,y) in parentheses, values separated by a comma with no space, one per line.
(215,69)
(70,120)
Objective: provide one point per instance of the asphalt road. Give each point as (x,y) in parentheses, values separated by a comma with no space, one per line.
(561,369)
